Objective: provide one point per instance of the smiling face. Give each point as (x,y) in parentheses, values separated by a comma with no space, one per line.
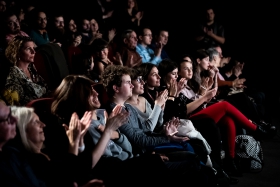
(131,41)
(138,86)
(93,100)
(94,25)
(27,52)
(59,22)
(34,131)
(72,26)
(153,79)
(13,25)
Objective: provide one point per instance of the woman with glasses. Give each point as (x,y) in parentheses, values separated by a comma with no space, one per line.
(23,83)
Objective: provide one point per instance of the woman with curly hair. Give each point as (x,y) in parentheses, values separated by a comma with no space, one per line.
(23,83)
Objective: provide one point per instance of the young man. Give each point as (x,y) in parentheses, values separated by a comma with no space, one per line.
(161,37)
(148,54)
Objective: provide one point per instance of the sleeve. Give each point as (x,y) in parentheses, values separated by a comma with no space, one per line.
(153,119)
(124,143)
(137,136)
(156,60)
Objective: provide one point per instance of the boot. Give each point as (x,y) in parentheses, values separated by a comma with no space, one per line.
(265,132)
(231,168)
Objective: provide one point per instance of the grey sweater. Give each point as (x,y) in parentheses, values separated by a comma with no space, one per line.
(120,148)
(137,132)
(151,117)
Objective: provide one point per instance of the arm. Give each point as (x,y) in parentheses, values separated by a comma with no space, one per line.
(153,119)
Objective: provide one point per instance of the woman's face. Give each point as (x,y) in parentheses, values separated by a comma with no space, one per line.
(186,70)
(153,78)
(103,54)
(93,100)
(204,63)
(72,26)
(130,3)
(34,130)
(94,25)
(138,86)
(7,123)
(171,76)
(27,52)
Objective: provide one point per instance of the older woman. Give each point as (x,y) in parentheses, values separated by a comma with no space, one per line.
(23,83)
(62,171)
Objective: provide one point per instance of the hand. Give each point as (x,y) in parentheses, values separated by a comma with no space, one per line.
(173,88)
(85,122)
(181,85)
(139,15)
(92,183)
(209,32)
(96,35)
(238,83)
(118,59)
(74,130)
(171,127)
(77,41)
(111,34)
(210,94)
(161,98)
(158,49)
(113,123)
(204,86)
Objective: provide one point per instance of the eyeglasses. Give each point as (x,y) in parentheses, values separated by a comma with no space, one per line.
(8,119)
(139,79)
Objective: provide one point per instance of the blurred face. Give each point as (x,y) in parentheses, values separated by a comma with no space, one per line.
(131,42)
(171,76)
(153,78)
(204,63)
(72,26)
(125,90)
(2,6)
(130,3)
(21,15)
(7,124)
(59,22)
(34,130)
(13,25)
(147,37)
(163,37)
(93,100)
(138,86)
(186,70)
(103,53)
(210,15)
(42,20)
(93,25)
(86,25)
(27,52)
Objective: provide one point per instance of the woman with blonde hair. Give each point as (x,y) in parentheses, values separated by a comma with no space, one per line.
(23,83)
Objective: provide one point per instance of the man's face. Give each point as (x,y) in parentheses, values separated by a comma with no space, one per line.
(125,90)
(59,22)
(13,25)
(131,41)
(147,37)
(42,20)
(2,6)
(86,25)
(210,15)
(163,37)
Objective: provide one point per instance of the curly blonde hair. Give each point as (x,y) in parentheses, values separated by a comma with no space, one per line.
(14,46)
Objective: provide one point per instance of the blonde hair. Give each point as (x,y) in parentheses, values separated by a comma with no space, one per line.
(14,46)
(24,116)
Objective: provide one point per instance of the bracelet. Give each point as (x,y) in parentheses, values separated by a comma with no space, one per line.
(171,96)
(203,87)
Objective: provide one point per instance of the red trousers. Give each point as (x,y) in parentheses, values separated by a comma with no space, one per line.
(226,115)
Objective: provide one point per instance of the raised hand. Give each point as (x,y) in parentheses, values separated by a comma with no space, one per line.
(181,85)
(171,129)
(111,34)
(85,122)
(238,83)
(118,59)
(173,88)
(161,98)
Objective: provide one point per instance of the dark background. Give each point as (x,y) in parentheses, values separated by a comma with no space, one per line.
(251,31)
